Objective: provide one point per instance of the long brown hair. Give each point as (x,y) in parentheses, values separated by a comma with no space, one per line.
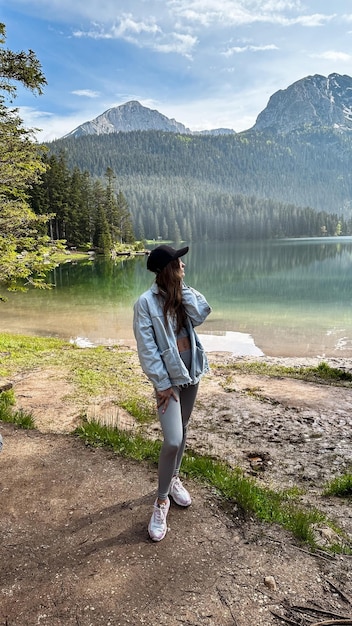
(169,281)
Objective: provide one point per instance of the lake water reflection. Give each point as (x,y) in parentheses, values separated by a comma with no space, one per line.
(281,298)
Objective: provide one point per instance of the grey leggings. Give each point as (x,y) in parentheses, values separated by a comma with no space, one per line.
(174,424)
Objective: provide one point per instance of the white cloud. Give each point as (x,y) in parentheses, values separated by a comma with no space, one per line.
(140,15)
(280,5)
(96,32)
(317,19)
(244,12)
(32,116)
(332,55)
(181,26)
(128,26)
(249,48)
(143,34)
(182,44)
(86,93)
(49,125)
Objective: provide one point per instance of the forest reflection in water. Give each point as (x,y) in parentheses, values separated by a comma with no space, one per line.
(284,298)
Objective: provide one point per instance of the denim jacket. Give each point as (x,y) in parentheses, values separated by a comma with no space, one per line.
(157,346)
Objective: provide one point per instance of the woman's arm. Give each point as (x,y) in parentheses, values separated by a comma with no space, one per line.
(148,351)
(197,308)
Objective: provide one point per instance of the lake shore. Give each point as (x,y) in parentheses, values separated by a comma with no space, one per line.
(292,298)
(292,421)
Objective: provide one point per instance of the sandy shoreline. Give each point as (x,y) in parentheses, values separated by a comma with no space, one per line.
(236,345)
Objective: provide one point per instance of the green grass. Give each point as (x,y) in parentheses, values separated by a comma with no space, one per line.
(21,353)
(8,414)
(143,410)
(322,373)
(131,446)
(265,504)
(95,372)
(115,372)
(340,486)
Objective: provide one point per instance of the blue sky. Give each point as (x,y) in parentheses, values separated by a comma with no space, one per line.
(205,63)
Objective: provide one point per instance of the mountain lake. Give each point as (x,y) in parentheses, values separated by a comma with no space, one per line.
(286,298)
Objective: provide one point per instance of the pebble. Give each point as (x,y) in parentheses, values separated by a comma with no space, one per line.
(270,582)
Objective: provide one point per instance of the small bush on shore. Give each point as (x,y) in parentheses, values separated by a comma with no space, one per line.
(340,486)
(21,418)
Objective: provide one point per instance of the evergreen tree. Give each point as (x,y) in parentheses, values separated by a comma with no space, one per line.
(78,215)
(110,206)
(82,212)
(140,233)
(125,227)
(101,233)
(24,246)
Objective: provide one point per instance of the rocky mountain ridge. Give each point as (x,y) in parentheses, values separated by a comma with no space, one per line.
(313,101)
(127,117)
(133,116)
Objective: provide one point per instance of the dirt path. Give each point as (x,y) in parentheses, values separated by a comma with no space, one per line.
(74,548)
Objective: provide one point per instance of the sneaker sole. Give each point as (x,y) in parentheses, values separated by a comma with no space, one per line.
(156,538)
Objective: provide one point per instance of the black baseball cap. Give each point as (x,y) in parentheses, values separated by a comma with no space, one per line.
(161,256)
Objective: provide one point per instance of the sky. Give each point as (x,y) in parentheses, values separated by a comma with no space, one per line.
(206,63)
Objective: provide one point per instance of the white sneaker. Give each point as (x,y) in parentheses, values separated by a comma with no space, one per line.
(179,493)
(157,526)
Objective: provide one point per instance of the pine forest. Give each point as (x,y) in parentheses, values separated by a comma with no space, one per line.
(183,187)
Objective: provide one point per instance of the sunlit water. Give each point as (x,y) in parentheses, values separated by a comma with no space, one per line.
(282,298)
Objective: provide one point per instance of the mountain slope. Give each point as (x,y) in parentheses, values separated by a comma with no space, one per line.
(312,101)
(128,117)
(133,116)
(307,168)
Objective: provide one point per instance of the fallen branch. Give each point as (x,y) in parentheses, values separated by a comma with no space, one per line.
(318,554)
(284,619)
(339,591)
(227,604)
(331,622)
(311,609)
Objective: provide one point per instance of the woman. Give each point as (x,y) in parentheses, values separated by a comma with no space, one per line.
(174,361)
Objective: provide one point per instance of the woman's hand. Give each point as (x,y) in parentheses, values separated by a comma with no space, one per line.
(163,398)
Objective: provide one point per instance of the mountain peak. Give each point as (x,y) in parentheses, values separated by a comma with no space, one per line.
(132,116)
(319,101)
(128,117)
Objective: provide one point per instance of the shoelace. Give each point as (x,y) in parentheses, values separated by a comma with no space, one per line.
(159,514)
(177,485)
